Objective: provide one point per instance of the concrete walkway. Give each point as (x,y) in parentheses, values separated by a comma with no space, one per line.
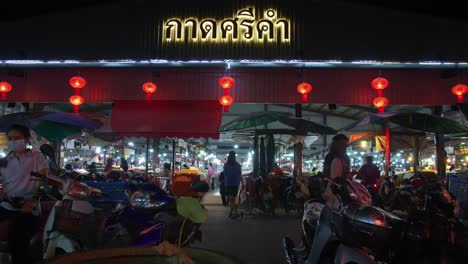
(252,239)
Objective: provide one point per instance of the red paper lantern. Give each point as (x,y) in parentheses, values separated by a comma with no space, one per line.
(379,84)
(380,102)
(5,87)
(226,101)
(459,90)
(149,88)
(304,89)
(76,101)
(77,82)
(226,82)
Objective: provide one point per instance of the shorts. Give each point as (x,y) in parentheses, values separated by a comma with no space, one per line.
(232,190)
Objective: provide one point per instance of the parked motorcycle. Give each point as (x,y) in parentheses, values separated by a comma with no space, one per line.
(345,235)
(116,214)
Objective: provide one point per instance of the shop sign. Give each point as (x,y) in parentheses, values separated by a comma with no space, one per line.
(245,26)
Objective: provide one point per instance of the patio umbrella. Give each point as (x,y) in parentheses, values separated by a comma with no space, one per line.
(270,153)
(34,119)
(263,167)
(308,126)
(253,120)
(414,121)
(55,132)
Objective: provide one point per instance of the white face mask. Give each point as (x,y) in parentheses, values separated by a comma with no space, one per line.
(17,145)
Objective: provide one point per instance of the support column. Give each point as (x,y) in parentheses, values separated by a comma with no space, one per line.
(440,148)
(147,155)
(325,137)
(298,147)
(156,151)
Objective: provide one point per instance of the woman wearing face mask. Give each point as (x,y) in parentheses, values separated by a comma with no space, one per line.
(20,192)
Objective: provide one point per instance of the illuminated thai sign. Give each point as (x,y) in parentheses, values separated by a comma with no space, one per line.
(245,26)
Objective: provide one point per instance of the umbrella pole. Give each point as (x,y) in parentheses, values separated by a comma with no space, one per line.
(173,156)
(58,149)
(147,155)
(387,150)
(298,147)
(416,155)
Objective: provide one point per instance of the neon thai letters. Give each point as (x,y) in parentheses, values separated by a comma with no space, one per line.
(243,27)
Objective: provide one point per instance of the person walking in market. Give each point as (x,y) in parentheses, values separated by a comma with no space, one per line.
(369,173)
(211,175)
(222,188)
(20,198)
(232,177)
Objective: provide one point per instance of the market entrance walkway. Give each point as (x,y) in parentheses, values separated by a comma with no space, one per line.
(252,239)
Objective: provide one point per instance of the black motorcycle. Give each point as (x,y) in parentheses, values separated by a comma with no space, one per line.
(349,234)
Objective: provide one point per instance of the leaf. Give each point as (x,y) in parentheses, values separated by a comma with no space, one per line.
(191,209)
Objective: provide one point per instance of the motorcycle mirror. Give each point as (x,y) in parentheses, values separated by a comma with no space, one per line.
(200,186)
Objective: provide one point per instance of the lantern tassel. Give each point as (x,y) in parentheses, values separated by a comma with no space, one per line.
(460,98)
(379,93)
(226,109)
(226,91)
(304,97)
(148,96)
(4,95)
(76,108)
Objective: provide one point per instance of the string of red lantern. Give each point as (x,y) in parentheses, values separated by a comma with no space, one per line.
(380,84)
(459,90)
(5,87)
(226,100)
(381,102)
(76,100)
(149,88)
(304,89)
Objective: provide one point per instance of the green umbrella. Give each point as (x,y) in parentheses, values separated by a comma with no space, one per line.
(414,121)
(55,132)
(308,126)
(428,123)
(253,120)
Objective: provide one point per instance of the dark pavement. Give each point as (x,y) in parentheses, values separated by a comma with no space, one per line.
(254,239)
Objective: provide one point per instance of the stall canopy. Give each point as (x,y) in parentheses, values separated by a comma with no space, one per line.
(181,119)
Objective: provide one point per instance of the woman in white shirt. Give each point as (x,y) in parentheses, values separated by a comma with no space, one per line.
(336,165)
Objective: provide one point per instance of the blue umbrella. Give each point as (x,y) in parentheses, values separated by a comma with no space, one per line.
(34,119)
(369,120)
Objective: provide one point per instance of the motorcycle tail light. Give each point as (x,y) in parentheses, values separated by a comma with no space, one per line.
(149,229)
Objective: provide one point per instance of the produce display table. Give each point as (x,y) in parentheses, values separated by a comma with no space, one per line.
(183,180)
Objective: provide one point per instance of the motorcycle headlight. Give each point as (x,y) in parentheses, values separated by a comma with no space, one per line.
(142,199)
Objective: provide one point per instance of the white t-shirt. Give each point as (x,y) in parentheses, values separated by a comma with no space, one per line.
(336,169)
(16,177)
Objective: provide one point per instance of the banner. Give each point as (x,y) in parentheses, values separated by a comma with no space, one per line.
(3,141)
